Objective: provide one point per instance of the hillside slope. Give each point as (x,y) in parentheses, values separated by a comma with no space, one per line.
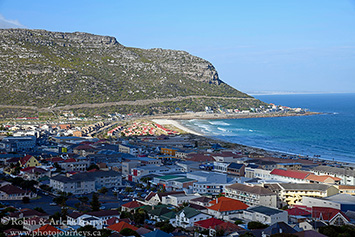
(46,69)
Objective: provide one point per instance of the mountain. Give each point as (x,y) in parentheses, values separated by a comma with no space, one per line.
(42,70)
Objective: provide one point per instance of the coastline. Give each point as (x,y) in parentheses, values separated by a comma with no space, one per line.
(267,154)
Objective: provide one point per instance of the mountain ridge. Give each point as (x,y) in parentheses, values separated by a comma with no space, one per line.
(45,69)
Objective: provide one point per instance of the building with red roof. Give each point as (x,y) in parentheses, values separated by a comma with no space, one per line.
(214,225)
(224,206)
(330,215)
(29,161)
(129,206)
(296,211)
(294,176)
(120,226)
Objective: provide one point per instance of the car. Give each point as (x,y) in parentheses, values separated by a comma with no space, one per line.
(102,207)
(125,200)
(52,204)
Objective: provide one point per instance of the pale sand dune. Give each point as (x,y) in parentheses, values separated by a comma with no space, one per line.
(176,124)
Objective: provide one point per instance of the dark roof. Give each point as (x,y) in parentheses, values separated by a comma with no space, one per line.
(235,166)
(202,199)
(11,189)
(279,227)
(309,233)
(104,213)
(157,233)
(251,189)
(265,210)
(75,214)
(189,212)
(85,176)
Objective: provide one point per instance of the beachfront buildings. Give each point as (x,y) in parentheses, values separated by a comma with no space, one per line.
(251,195)
(293,193)
(347,175)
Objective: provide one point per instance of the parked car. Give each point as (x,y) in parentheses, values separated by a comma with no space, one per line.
(52,204)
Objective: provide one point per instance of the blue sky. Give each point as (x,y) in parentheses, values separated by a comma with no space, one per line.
(265,45)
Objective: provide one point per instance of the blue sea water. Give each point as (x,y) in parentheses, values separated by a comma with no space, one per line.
(330,135)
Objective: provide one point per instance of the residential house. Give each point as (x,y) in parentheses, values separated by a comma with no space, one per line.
(117,227)
(34,173)
(130,206)
(225,208)
(251,195)
(278,228)
(266,215)
(188,216)
(213,225)
(201,201)
(324,179)
(29,161)
(11,192)
(236,169)
(46,230)
(178,199)
(155,198)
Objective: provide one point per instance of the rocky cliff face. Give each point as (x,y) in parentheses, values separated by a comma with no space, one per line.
(43,68)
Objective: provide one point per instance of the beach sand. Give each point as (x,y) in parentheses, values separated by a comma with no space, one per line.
(175,124)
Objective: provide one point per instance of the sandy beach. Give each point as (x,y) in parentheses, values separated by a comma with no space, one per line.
(176,124)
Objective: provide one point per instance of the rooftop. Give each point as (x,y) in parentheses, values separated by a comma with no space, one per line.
(265,210)
(251,189)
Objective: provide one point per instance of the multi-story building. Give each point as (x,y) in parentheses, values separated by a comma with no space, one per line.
(87,182)
(346,174)
(251,195)
(292,193)
(18,144)
(265,215)
(71,165)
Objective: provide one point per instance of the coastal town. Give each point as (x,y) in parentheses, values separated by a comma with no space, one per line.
(134,176)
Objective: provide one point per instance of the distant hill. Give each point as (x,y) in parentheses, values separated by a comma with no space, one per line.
(42,70)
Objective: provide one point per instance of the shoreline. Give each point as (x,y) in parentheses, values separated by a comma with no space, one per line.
(270,154)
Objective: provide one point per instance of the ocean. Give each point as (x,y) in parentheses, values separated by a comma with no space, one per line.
(330,135)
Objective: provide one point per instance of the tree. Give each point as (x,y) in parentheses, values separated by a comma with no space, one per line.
(60,200)
(93,166)
(256,225)
(220,232)
(26,200)
(95,203)
(39,209)
(140,216)
(129,232)
(128,189)
(83,199)
(103,190)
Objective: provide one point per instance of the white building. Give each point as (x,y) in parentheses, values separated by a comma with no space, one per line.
(265,215)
